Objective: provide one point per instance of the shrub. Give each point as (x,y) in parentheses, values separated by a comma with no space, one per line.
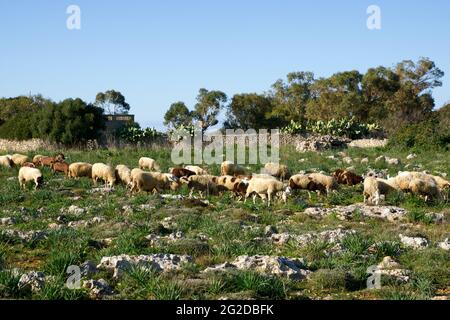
(133,133)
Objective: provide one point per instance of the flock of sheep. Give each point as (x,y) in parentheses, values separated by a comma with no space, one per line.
(275,181)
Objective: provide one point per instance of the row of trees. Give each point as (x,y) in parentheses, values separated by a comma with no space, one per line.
(388,96)
(69,122)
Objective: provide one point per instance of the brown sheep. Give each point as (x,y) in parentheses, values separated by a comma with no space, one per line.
(347,177)
(181,172)
(29,165)
(60,167)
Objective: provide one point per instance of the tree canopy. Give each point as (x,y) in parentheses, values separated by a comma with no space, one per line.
(112,102)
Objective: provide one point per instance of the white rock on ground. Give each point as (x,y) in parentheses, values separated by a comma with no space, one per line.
(173,237)
(390,213)
(411,156)
(347,160)
(157,262)
(271,265)
(33,280)
(85,223)
(365,161)
(74,210)
(416,243)
(445,245)
(328,236)
(392,268)
(26,236)
(98,288)
(7,221)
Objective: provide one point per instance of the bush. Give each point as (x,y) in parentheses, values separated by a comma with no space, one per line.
(133,133)
(426,135)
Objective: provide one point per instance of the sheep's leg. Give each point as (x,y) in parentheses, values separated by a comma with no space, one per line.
(269,198)
(190,193)
(254,198)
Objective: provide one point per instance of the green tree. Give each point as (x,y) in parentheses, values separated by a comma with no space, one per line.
(112,102)
(290,98)
(207,108)
(177,115)
(249,111)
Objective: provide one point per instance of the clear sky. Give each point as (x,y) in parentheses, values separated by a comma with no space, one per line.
(159,52)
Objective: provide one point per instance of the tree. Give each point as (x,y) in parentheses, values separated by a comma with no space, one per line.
(207,108)
(339,96)
(177,115)
(112,102)
(249,111)
(290,99)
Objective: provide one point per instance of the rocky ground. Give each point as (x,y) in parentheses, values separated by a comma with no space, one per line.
(170,247)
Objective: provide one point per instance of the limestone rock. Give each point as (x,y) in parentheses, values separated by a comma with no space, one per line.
(33,280)
(445,245)
(416,243)
(97,288)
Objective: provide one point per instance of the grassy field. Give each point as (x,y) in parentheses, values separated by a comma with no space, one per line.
(228,229)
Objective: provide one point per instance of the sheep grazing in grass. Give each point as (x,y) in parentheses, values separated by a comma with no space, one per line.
(47,161)
(198,170)
(106,173)
(166,181)
(5,161)
(80,169)
(279,171)
(347,177)
(202,183)
(267,189)
(19,159)
(234,184)
(37,159)
(27,174)
(143,181)
(228,168)
(441,183)
(376,189)
(29,165)
(181,172)
(60,167)
(123,174)
(148,164)
(425,188)
(262,176)
(318,182)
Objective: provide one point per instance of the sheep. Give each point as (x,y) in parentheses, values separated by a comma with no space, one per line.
(234,184)
(262,176)
(228,168)
(80,169)
(5,161)
(198,171)
(101,171)
(27,174)
(166,181)
(279,171)
(123,174)
(403,179)
(441,182)
(202,183)
(322,181)
(181,172)
(57,166)
(426,188)
(143,181)
(267,188)
(29,165)
(37,159)
(47,161)
(347,177)
(376,188)
(149,164)
(19,159)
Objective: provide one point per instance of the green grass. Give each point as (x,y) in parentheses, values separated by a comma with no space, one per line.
(228,228)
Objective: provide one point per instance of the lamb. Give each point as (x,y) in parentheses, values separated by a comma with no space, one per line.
(198,171)
(101,171)
(27,174)
(202,183)
(279,171)
(267,188)
(80,169)
(228,168)
(347,177)
(149,164)
(19,159)
(60,167)
(47,161)
(143,181)
(123,174)
(5,161)
(181,172)
(376,188)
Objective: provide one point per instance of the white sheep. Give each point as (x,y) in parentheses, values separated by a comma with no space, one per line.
(19,159)
(5,161)
(101,171)
(123,174)
(148,164)
(267,188)
(376,189)
(279,171)
(228,168)
(143,181)
(198,170)
(27,174)
(80,169)
(202,183)
(425,188)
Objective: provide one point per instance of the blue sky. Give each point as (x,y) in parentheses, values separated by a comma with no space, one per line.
(159,52)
